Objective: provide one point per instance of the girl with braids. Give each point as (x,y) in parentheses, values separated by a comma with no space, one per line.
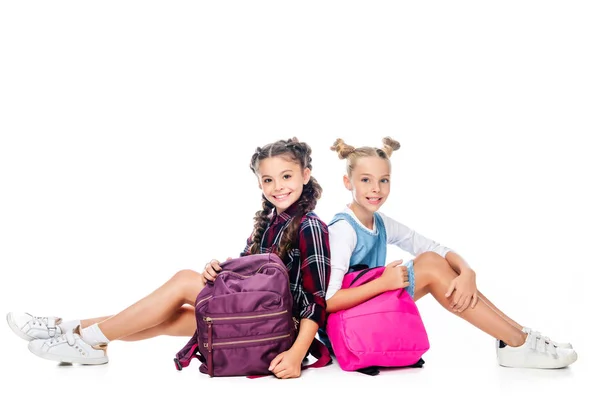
(359,235)
(286,225)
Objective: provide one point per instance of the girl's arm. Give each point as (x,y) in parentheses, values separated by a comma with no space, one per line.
(409,240)
(289,363)
(315,270)
(347,298)
(415,243)
(458,263)
(342,239)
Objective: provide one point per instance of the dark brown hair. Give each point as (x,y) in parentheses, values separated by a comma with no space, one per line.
(299,152)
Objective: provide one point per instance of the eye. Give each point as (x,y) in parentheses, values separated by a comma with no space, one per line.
(385,180)
(267,180)
(364,180)
(287,176)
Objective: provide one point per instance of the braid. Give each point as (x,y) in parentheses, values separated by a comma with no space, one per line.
(261,220)
(306,203)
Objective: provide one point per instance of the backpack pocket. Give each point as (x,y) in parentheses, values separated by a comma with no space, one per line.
(245,356)
(243,302)
(248,341)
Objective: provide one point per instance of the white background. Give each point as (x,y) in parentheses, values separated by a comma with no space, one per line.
(127,127)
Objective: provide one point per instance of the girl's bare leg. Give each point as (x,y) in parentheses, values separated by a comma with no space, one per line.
(182,323)
(433,275)
(500,313)
(159,312)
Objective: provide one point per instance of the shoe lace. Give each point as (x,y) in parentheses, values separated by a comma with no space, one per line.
(50,323)
(68,337)
(41,321)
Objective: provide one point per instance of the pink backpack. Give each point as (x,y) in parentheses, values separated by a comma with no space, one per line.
(385,331)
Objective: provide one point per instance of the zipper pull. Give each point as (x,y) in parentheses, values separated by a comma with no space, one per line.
(209,346)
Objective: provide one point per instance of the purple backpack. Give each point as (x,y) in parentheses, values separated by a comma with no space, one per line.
(244,319)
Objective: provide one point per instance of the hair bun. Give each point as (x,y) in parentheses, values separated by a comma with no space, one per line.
(390,145)
(343,149)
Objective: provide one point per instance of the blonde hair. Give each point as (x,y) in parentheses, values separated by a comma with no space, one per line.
(352,154)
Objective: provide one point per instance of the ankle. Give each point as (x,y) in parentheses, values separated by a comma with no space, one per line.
(93,335)
(66,326)
(516,340)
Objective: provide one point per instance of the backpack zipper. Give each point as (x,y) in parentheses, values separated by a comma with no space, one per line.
(251,340)
(211,319)
(203,300)
(209,361)
(258,270)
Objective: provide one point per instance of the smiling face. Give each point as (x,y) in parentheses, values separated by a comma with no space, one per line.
(281,180)
(369,184)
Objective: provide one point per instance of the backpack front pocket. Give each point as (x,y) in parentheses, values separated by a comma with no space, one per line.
(250,340)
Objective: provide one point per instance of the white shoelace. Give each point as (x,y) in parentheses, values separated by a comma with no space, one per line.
(43,321)
(68,337)
(47,322)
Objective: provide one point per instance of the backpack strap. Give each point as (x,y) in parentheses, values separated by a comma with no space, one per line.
(318,350)
(190,350)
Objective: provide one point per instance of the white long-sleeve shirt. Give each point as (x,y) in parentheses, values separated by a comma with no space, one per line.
(342,241)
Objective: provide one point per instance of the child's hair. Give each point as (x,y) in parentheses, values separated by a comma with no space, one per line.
(345,151)
(299,152)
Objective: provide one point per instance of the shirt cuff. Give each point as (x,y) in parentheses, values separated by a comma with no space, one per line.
(315,312)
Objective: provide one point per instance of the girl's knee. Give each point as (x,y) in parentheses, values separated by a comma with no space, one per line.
(434,265)
(429,258)
(187,275)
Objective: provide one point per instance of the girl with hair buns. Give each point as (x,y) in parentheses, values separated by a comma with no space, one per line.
(359,235)
(286,225)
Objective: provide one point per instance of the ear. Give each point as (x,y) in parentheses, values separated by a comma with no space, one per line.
(347,182)
(259,183)
(306,175)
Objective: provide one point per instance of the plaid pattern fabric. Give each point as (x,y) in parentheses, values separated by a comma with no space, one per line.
(308,262)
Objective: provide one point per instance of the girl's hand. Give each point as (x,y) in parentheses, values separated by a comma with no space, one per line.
(211,270)
(395,276)
(287,364)
(465,291)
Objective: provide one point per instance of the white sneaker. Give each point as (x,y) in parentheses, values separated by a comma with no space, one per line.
(546,338)
(69,348)
(28,327)
(536,352)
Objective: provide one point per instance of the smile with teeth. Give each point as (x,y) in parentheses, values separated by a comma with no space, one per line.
(374,200)
(282,196)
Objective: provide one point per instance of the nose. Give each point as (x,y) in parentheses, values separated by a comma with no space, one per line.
(376,188)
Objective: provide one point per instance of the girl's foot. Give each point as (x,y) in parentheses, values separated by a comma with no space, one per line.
(558,344)
(69,348)
(536,352)
(28,327)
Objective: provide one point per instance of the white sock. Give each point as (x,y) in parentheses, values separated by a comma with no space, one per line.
(93,336)
(66,326)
